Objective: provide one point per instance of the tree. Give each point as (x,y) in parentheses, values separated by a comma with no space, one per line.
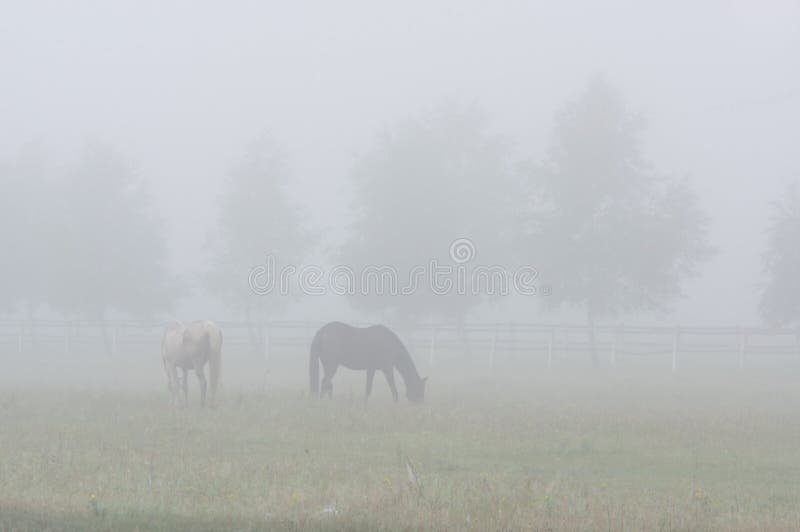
(111,250)
(256,219)
(424,183)
(27,228)
(609,233)
(7,299)
(780,298)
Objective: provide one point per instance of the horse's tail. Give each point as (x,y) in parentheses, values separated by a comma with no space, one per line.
(214,361)
(313,366)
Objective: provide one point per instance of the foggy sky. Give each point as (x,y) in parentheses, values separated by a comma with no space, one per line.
(181,88)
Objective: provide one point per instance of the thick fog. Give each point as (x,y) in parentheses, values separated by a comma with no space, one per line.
(181,91)
(560,238)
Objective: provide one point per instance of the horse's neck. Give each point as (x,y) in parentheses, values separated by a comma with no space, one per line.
(405,366)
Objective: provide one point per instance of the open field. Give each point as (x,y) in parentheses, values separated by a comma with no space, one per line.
(567,449)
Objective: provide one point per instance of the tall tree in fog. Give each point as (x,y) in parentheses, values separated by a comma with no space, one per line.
(256,219)
(8,297)
(111,247)
(424,183)
(609,232)
(780,299)
(26,231)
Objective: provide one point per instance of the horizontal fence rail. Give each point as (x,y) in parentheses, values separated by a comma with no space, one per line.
(433,343)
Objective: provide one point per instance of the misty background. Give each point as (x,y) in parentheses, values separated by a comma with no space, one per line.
(260,128)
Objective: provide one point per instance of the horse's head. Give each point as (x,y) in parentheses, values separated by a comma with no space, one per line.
(415,392)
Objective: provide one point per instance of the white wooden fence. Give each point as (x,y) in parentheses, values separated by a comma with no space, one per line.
(489,344)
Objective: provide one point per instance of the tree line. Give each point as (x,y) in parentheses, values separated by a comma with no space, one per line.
(606,230)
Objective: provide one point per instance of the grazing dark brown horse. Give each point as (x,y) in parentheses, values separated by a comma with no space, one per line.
(362,348)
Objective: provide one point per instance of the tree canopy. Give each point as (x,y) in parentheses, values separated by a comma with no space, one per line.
(256,219)
(780,297)
(424,183)
(110,247)
(26,231)
(609,232)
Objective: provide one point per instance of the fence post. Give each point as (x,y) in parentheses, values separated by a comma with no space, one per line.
(550,343)
(614,346)
(432,348)
(267,344)
(66,339)
(494,348)
(512,339)
(675,344)
(797,341)
(742,348)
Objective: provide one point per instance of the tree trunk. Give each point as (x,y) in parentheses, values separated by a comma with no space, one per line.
(462,335)
(252,332)
(592,345)
(32,325)
(104,329)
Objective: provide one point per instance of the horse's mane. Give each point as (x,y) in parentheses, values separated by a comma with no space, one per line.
(404,363)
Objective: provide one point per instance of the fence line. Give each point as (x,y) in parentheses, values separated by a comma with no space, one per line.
(494,340)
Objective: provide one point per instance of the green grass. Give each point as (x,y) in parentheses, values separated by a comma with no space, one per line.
(533,450)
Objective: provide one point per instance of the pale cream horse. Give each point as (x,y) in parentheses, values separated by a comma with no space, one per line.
(187,347)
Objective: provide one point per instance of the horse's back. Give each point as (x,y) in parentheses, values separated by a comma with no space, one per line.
(380,332)
(177,336)
(206,333)
(172,340)
(357,347)
(341,330)
(332,334)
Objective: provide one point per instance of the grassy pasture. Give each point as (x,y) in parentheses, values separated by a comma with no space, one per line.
(508,450)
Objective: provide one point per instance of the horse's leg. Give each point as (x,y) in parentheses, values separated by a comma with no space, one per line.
(201,376)
(185,386)
(389,373)
(370,375)
(172,381)
(327,379)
